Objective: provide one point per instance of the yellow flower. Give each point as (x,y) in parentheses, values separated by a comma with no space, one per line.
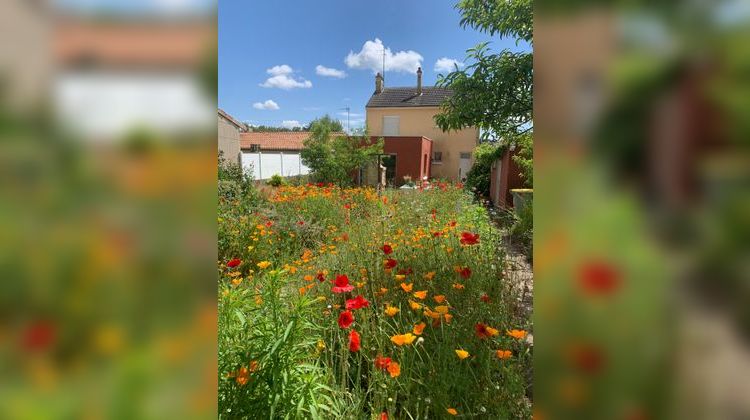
(458,286)
(429,275)
(394,369)
(250,247)
(264,264)
(309,277)
(321,345)
(403,339)
(237,281)
(419,328)
(452,411)
(391,310)
(399,277)
(492,332)
(462,354)
(441,310)
(517,334)
(407,287)
(420,294)
(439,298)
(503,354)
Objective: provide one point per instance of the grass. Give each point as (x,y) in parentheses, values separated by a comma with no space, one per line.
(282,352)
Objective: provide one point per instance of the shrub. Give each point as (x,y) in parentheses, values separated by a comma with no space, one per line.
(276,181)
(478,177)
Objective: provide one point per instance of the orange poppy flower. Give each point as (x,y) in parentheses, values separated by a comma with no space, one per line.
(407,287)
(439,298)
(420,294)
(503,354)
(517,334)
(419,328)
(394,369)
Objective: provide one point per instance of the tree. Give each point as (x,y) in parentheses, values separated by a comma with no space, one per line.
(494,92)
(332,156)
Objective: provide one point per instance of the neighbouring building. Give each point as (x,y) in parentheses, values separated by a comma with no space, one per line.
(229,137)
(265,154)
(401,113)
(505,175)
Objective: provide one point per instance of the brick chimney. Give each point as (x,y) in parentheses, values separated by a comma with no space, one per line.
(419,81)
(378,83)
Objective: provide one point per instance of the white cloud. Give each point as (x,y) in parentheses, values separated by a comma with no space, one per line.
(329,72)
(290,124)
(371,57)
(447,65)
(281,77)
(268,105)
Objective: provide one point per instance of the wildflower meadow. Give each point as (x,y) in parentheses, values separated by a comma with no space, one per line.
(346,303)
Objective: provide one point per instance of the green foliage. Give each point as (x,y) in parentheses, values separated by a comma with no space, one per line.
(333,158)
(478,177)
(494,93)
(524,157)
(276,181)
(522,230)
(505,18)
(270,332)
(234,182)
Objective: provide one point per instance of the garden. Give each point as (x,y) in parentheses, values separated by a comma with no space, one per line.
(349,303)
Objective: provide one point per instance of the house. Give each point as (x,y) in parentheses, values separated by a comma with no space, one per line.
(273,153)
(229,137)
(398,113)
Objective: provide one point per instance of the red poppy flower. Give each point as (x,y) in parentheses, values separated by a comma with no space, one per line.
(344,237)
(387,249)
(485,298)
(269,223)
(468,238)
(599,278)
(301,223)
(481,330)
(465,272)
(347,206)
(345,319)
(452,223)
(383,416)
(320,276)
(234,263)
(382,362)
(358,302)
(354,341)
(342,284)
(320,184)
(390,263)
(437,234)
(406,271)
(434,214)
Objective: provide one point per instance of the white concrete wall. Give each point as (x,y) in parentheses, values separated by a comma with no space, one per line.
(267,164)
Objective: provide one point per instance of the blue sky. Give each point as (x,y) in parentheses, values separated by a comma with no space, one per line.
(270,53)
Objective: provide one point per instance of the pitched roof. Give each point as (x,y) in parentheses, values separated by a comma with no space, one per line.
(230,119)
(407,97)
(281,140)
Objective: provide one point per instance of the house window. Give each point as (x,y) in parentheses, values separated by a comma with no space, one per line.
(391,126)
(465,155)
(437,157)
